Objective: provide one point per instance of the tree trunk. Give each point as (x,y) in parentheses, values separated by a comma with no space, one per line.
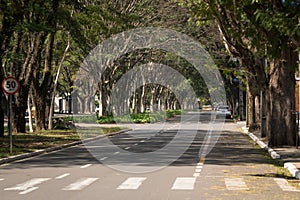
(40,120)
(40,85)
(50,124)
(29,113)
(19,110)
(1,118)
(1,108)
(281,122)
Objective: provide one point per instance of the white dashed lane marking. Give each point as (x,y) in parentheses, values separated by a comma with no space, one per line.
(198,170)
(1,179)
(184,183)
(104,158)
(62,176)
(85,166)
(285,186)
(235,184)
(80,184)
(132,183)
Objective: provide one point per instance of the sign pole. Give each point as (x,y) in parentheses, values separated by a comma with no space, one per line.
(10,86)
(10,124)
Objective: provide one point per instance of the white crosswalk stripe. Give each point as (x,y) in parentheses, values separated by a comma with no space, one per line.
(28,186)
(132,183)
(235,184)
(184,183)
(285,186)
(135,183)
(80,184)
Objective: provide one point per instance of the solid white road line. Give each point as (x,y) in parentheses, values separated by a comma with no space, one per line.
(235,184)
(28,186)
(184,183)
(85,166)
(285,186)
(80,184)
(132,183)
(62,176)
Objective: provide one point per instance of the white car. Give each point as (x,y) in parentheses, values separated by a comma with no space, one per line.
(224,110)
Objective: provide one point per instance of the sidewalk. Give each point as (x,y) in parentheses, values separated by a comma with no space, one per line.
(290,156)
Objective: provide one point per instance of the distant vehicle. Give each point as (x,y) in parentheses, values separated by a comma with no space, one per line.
(223,110)
(207,108)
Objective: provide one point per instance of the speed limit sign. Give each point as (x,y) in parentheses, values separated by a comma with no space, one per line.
(10,85)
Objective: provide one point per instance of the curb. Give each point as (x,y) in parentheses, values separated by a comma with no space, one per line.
(292,169)
(57,148)
(290,166)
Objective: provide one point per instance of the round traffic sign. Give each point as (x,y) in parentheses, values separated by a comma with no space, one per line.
(10,85)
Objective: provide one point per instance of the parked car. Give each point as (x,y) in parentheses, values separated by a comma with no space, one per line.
(223,110)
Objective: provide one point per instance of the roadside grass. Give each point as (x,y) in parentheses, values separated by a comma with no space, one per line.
(30,142)
(281,172)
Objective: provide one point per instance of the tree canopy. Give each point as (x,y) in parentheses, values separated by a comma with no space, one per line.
(264,35)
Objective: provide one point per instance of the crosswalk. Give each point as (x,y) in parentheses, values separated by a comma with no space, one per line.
(134,183)
(80,184)
(28,186)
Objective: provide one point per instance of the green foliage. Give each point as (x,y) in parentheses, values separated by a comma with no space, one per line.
(146,117)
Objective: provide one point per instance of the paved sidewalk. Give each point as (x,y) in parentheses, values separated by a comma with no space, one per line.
(290,156)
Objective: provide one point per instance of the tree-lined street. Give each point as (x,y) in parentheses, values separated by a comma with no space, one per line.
(234,169)
(169,70)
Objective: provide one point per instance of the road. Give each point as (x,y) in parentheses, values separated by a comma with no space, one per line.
(146,163)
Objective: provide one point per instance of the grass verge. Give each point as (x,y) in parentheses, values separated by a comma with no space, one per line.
(30,142)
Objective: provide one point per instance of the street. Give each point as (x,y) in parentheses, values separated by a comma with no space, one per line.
(233,168)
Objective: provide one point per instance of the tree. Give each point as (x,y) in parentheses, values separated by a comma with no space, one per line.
(258,30)
(33,39)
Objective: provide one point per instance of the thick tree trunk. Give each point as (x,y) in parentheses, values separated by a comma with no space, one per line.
(1,109)
(281,122)
(1,118)
(40,120)
(19,110)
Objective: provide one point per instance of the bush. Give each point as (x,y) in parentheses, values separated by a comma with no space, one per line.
(146,117)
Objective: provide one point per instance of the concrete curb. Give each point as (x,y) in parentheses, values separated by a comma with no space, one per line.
(290,166)
(52,149)
(292,169)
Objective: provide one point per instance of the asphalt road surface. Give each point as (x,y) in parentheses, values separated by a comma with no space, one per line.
(187,158)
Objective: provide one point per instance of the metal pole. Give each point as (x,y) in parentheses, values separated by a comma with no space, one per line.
(10,124)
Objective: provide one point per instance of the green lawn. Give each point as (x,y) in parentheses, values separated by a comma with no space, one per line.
(29,142)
